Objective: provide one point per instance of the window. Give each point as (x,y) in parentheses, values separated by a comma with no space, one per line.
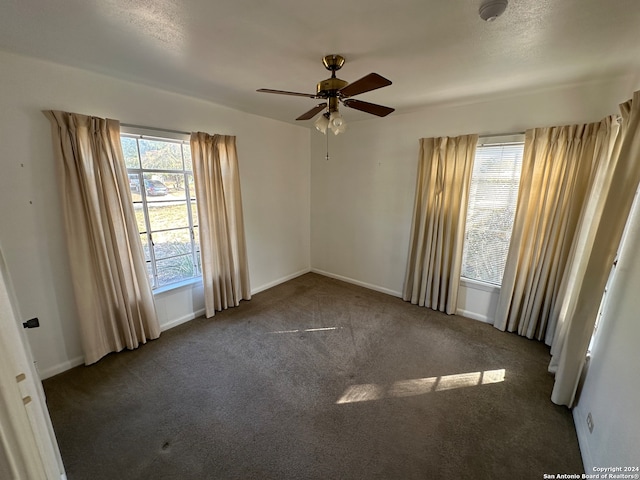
(492,205)
(161,182)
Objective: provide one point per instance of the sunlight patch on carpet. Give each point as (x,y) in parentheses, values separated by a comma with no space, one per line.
(420,386)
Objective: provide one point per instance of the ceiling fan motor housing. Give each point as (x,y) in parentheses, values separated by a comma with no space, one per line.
(330,86)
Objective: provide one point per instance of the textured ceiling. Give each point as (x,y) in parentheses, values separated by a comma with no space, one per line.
(434,51)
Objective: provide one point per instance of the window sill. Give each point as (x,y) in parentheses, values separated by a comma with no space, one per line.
(477,285)
(196,281)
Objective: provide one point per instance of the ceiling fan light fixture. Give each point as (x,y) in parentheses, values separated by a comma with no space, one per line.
(322,123)
(337,123)
(492,9)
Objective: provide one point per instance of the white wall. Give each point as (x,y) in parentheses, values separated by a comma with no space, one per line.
(275,182)
(477,300)
(612,385)
(362,197)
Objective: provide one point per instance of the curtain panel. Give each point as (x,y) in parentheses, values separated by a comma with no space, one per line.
(434,262)
(600,231)
(112,292)
(225,269)
(558,172)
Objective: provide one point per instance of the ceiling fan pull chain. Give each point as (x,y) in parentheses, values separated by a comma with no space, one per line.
(327,157)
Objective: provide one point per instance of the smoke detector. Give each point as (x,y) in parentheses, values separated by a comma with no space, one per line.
(492,9)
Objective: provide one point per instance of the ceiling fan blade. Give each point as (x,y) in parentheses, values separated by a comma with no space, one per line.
(367,83)
(282,92)
(313,112)
(374,109)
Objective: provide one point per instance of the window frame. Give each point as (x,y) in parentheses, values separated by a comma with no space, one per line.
(179,138)
(490,141)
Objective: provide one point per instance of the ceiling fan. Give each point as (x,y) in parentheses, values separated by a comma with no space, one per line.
(335,90)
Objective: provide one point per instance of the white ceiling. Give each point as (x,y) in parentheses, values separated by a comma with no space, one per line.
(434,51)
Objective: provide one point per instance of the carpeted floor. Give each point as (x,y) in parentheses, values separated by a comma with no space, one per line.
(317,379)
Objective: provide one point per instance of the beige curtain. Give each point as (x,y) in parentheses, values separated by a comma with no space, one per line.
(225,269)
(112,291)
(558,172)
(440,211)
(599,235)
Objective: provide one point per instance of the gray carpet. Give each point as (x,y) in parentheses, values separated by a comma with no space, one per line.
(317,379)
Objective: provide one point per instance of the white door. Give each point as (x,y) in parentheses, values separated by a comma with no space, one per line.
(28,448)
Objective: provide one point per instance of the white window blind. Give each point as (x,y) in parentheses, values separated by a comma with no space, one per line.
(492,205)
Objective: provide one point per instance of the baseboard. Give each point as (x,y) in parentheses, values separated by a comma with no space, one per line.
(474,316)
(61,367)
(181,320)
(279,281)
(370,286)
(583,441)
(56,369)
(191,316)
(74,362)
(461,312)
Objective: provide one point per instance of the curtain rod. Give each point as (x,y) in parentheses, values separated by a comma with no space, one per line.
(488,135)
(129,125)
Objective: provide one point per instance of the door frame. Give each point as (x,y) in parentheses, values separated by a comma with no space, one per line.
(28,447)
